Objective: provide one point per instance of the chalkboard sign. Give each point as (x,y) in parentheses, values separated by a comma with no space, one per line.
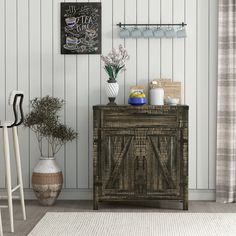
(80,28)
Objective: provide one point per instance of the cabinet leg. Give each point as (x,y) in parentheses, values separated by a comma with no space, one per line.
(185,205)
(95,204)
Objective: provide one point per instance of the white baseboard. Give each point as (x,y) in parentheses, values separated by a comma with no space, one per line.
(66,194)
(202,194)
(86,194)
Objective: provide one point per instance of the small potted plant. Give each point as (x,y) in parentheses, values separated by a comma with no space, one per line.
(51,134)
(114,63)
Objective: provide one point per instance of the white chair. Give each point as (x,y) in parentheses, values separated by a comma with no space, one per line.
(15,100)
(1,230)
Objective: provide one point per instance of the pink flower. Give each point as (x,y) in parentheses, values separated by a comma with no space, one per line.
(115,60)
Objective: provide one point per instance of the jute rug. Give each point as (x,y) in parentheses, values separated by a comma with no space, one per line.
(136,224)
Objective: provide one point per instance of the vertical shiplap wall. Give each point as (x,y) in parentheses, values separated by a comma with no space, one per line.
(30,60)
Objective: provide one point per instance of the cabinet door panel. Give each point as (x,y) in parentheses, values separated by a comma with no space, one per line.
(140,162)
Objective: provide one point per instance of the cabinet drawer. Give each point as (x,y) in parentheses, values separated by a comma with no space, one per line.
(140,118)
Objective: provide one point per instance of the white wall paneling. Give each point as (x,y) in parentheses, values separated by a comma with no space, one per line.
(3,80)
(178,50)
(70,117)
(191,85)
(213,14)
(154,44)
(46,52)
(11,65)
(202,94)
(95,83)
(23,79)
(166,44)
(83,119)
(30,60)
(142,44)
(46,46)
(118,16)
(35,75)
(58,72)
(107,40)
(131,45)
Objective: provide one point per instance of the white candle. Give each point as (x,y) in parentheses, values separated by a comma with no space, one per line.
(157,96)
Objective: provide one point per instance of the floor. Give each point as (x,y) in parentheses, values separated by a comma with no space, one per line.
(35,212)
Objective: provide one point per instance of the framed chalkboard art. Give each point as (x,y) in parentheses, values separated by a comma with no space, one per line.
(81,28)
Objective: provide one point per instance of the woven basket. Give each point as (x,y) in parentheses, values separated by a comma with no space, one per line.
(47,187)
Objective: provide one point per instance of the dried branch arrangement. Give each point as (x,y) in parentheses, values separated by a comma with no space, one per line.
(44,121)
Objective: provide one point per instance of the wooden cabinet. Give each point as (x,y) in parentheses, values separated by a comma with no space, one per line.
(140,153)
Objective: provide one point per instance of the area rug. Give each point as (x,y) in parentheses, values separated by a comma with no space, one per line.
(135,224)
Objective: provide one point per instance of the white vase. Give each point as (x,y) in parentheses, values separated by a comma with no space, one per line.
(47,165)
(47,180)
(112,90)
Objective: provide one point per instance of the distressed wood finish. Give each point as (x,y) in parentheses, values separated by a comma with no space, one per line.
(140,153)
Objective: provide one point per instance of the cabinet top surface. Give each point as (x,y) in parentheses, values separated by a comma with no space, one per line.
(144,107)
